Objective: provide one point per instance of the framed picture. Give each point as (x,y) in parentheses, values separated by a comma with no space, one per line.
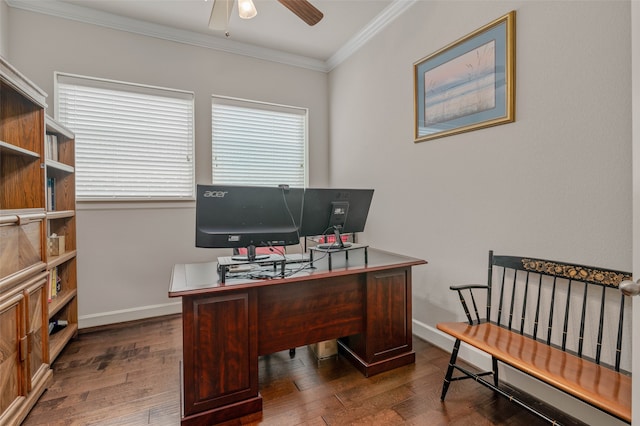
(467,85)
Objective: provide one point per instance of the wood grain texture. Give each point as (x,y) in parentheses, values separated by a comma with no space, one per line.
(37,323)
(388,314)
(295,314)
(65,189)
(222,328)
(24,352)
(222,331)
(20,247)
(597,385)
(129,375)
(22,125)
(304,10)
(12,370)
(66,150)
(22,120)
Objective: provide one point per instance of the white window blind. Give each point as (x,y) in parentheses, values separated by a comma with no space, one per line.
(256,143)
(133,142)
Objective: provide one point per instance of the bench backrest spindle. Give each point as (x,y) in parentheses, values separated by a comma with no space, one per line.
(620,333)
(535,294)
(490,275)
(565,326)
(536,321)
(553,299)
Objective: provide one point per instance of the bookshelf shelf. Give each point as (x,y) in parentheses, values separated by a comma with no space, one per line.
(54,261)
(59,340)
(60,214)
(9,149)
(57,128)
(59,166)
(60,301)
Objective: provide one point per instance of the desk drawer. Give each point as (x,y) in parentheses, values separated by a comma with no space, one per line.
(301,313)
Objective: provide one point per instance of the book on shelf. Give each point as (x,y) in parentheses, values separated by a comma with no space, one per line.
(51,147)
(57,325)
(55,283)
(51,194)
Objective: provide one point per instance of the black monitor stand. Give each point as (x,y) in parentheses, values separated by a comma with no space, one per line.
(338,244)
(251,255)
(345,250)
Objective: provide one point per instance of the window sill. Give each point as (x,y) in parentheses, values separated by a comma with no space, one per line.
(135,204)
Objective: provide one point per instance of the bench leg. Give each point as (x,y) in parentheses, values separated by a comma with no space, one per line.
(452,363)
(494,363)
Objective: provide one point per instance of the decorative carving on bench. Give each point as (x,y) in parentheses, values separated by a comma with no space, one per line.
(582,273)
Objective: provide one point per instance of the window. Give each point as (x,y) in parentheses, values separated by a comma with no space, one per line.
(256,143)
(133,142)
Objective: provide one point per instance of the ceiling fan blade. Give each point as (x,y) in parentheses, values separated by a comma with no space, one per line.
(220,14)
(305,10)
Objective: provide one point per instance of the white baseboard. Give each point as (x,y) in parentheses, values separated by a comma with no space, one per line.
(131,314)
(539,390)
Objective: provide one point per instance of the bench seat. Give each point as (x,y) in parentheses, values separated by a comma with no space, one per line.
(599,386)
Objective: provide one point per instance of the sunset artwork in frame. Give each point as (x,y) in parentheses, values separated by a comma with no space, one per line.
(467,85)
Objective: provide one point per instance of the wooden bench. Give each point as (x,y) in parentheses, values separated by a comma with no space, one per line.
(563,324)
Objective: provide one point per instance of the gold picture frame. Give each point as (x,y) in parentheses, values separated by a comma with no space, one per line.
(467,85)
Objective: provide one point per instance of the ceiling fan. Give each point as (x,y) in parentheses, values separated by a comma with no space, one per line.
(221,11)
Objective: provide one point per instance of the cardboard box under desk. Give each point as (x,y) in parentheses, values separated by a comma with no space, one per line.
(324,350)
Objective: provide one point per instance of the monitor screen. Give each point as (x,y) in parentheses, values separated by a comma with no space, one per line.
(334,211)
(230,216)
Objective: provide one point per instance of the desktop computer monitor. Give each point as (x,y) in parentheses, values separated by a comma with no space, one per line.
(335,211)
(229,216)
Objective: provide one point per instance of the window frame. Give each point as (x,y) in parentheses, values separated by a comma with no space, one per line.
(267,106)
(137,88)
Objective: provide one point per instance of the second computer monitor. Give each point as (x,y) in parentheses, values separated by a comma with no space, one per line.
(334,211)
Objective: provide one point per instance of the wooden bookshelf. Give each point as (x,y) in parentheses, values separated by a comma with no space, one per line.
(37,200)
(24,337)
(61,223)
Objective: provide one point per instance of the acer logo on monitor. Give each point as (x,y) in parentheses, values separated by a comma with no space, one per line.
(214,194)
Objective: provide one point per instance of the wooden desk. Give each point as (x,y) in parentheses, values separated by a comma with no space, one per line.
(227,326)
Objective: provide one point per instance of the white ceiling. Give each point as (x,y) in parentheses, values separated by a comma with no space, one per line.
(275,33)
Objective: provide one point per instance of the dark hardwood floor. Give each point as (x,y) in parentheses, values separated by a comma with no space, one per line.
(129,375)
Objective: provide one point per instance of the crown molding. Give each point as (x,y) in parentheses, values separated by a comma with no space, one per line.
(391,12)
(121,23)
(117,22)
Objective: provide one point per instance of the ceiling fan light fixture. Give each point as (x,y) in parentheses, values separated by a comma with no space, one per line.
(246,9)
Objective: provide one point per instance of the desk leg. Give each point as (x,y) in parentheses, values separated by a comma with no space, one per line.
(220,353)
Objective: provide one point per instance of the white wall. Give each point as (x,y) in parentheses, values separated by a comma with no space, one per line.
(4,29)
(125,254)
(554,184)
